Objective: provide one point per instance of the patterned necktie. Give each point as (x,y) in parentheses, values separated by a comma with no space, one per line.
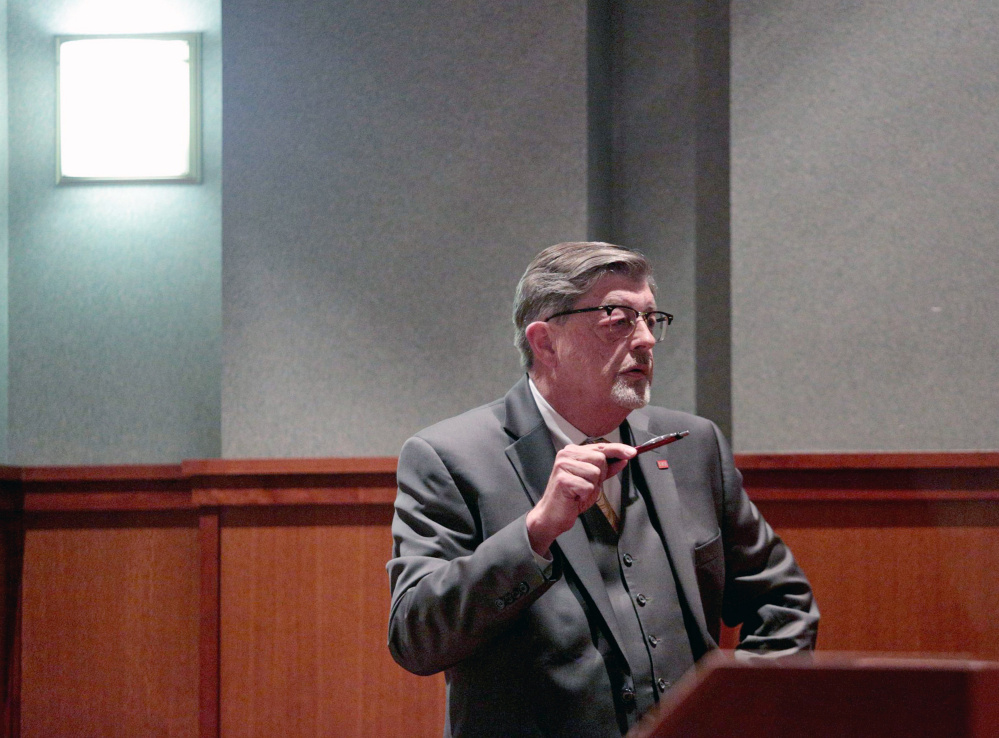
(602,502)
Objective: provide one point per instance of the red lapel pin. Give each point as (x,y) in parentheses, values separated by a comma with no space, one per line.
(662,464)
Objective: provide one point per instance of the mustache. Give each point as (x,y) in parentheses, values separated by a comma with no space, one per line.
(642,358)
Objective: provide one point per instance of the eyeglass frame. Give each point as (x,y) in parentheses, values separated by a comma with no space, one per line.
(639,316)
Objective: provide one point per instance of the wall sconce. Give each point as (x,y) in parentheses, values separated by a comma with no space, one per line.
(129,108)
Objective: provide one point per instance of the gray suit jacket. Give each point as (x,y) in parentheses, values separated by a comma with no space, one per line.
(530,656)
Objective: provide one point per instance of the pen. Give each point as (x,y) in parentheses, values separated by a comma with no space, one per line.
(656,443)
(661,441)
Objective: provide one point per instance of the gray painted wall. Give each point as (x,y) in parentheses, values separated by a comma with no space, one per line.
(115,291)
(865,215)
(653,187)
(4,240)
(390,169)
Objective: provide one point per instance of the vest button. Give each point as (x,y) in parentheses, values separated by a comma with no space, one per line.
(653,641)
(628,561)
(628,696)
(663,684)
(642,599)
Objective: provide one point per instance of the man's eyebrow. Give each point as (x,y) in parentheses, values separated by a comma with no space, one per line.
(647,309)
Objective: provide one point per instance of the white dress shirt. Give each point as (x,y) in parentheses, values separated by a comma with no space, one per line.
(563,433)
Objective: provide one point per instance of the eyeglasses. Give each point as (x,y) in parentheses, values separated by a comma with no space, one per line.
(621,320)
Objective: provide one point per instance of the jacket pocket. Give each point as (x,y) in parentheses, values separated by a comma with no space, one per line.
(709,563)
(705,553)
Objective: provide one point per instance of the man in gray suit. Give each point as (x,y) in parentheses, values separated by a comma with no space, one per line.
(562,581)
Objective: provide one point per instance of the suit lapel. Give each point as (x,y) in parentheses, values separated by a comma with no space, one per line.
(666,501)
(533,456)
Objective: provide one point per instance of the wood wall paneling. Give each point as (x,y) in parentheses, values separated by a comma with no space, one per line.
(244,598)
(899,547)
(303,601)
(110,630)
(305,607)
(899,576)
(11,566)
(209,538)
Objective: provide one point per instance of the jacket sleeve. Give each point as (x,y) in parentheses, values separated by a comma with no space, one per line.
(452,589)
(765,589)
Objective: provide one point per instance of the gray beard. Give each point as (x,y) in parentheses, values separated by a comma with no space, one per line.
(631,396)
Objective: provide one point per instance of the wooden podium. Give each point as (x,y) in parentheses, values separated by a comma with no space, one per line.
(831,695)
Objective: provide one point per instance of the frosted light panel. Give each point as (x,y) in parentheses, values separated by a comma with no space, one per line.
(125,109)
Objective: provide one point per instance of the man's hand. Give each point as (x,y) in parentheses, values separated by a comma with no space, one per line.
(574,485)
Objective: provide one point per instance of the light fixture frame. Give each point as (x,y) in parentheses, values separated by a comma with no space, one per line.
(193,175)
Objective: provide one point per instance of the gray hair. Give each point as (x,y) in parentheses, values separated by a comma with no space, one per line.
(561,274)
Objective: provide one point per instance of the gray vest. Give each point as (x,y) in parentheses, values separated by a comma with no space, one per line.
(641,584)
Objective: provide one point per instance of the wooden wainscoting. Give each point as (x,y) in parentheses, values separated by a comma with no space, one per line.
(232,598)
(901,549)
(249,597)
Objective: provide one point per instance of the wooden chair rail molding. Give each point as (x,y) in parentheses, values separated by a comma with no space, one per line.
(899,546)
(966,475)
(193,484)
(202,483)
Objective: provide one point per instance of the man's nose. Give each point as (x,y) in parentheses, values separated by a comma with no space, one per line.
(642,337)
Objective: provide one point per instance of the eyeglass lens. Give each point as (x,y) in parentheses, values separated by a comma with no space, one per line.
(622,321)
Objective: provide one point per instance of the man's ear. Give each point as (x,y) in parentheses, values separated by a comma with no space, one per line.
(539,335)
